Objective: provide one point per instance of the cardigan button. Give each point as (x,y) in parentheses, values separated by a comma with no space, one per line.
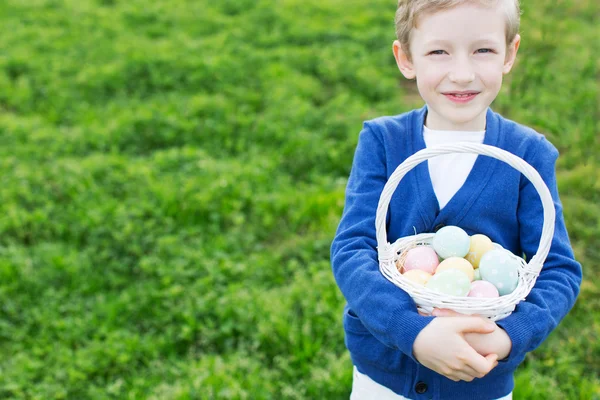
(421,387)
(438,227)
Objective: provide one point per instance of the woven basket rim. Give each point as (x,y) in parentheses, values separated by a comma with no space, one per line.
(427,299)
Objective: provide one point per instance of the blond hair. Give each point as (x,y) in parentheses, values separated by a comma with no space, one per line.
(409,10)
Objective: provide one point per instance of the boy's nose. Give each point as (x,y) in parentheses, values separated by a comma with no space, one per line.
(462,76)
(461,72)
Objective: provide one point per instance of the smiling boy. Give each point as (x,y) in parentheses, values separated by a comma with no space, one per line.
(458,52)
(458,58)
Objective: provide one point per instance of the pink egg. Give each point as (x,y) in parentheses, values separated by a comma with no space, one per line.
(423,258)
(483,289)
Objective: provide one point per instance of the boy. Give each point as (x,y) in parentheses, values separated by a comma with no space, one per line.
(458,51)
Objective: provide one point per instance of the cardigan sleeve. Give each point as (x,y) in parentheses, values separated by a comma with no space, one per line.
(385,310)
(557,286)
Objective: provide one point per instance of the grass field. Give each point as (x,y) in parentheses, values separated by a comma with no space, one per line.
(172,174)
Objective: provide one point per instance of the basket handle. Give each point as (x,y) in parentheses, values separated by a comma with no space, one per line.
(384,249)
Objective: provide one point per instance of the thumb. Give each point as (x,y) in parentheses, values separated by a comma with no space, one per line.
(493,359)
(476,325)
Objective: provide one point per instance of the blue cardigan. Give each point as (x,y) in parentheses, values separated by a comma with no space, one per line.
(380,320)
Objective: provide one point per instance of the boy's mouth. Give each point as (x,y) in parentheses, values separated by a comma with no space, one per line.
(461,97)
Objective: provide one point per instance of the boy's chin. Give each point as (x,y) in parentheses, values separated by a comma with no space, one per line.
(450,119)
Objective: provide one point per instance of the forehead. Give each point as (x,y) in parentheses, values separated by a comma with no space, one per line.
(464,23)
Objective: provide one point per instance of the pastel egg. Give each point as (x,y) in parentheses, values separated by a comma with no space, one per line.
(421,257)
(479,245)
(451,282)
(417,276)
(457,263)
(483,289)
(451,241)
(477,275)
(501,269)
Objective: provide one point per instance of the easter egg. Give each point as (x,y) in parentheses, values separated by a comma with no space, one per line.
(483,289)
(421,257)
(451,281)
(451,241)
(417,276)
(479,245)
(477,275)
(456,263)
(500,269)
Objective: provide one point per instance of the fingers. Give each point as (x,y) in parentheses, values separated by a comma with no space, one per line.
(477,365)
(461,376)
(467,373)
(493,359)
(468,365)
(425,311)
(446,312)
(475,324)
(453,356)
(461,373)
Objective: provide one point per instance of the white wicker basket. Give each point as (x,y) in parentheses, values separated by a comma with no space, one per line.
(426,299)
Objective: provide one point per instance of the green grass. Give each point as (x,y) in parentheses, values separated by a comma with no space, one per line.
(172,174)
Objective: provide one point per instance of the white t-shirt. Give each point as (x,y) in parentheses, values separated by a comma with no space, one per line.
(449,172)
(365,388)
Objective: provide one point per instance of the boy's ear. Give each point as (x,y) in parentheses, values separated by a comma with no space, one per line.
(511,54)
(403,62)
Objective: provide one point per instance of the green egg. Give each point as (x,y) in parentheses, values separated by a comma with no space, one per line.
(451,282)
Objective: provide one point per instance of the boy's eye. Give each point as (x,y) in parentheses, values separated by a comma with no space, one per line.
(485,51)
(437,52)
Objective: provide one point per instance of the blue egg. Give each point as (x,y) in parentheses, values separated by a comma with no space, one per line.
(451,241)
(500,269)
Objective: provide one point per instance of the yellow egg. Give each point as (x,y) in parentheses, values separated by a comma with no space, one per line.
(417,276)
(480,244)
(457,263)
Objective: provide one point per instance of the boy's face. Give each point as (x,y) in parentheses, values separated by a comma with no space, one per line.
(458,59)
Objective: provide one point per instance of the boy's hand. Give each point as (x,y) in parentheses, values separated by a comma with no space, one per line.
(441,346)
(497,342)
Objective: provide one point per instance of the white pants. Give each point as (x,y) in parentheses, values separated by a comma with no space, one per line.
(365,388)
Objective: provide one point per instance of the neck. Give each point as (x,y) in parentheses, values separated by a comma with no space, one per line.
(435,122)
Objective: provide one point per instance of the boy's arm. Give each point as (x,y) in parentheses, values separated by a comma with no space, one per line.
(386,310)
(558,284)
